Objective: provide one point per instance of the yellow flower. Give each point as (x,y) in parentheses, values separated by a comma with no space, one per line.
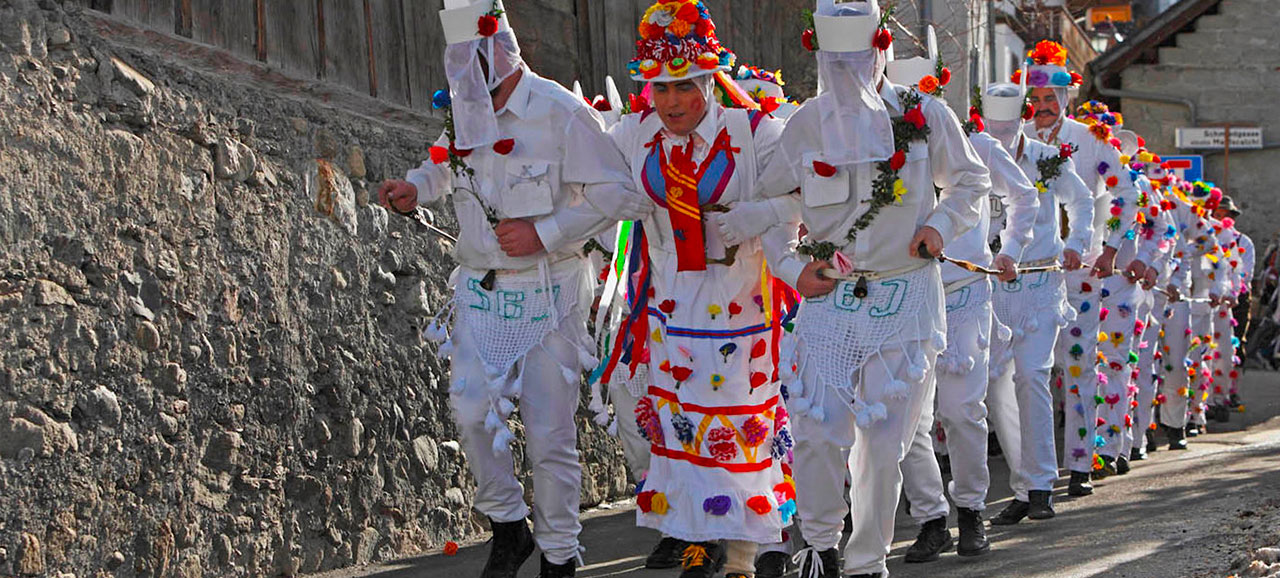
(1040,187)
(1124,159)
(678,67)
(1074,370)
(899,191)
(1146,157)
(657,336)
(1103,337)
(714,310)
(658,505)
(717,380)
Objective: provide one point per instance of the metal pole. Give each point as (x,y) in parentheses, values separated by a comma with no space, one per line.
(1226,161)
(991,41)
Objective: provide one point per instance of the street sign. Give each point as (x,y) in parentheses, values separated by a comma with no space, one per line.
(1188,168)
(1215,137)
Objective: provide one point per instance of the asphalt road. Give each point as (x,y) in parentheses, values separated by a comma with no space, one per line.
(1176,514)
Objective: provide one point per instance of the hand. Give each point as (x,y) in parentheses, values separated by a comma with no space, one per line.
(399,196)
(1149,278)
(1105,265)
(744,221)
(1228,303)
(1174,294)
(1134,271)
(1214,300)
(812,283)
(518,238)
(931,239)
(1071,260)
(1008,269)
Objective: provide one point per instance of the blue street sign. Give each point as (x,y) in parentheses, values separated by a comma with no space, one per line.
(1188,168)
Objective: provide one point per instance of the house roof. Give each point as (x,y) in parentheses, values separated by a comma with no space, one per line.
(1151,36)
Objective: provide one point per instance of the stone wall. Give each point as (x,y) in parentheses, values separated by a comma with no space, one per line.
(1228,67)
(210,360)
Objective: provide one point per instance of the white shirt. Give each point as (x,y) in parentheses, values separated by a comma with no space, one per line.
(1066,190)
(561,152)
(1012,196)
(948,161)
(1096,161)
(1194,240)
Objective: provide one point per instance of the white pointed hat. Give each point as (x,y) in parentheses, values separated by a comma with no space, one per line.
(462,20)
(909,71)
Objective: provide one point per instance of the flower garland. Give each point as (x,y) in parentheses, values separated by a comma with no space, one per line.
(487,25)
(932,84)
(1050,168)
(888,188)
(975,124)
(440,100)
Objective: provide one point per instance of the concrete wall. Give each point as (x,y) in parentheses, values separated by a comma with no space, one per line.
(1228,67)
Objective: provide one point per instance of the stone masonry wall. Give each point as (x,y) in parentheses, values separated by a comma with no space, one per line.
(210,362)
(1228,66)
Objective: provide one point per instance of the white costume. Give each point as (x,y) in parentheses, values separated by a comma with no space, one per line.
(861,369)
(543,157)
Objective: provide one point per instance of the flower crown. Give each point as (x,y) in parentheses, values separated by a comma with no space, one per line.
(1094,112)
(677,36)
(1048,53)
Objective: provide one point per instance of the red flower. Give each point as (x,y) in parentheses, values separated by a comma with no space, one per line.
(808,40)
(450,548)
(769,104)
(1142,143)
(1076,78)
(973,111)
(705,27)
(1016,78)
(977,122)
(824,170)
(944,77)
(722,443)
(1066,151)
(758,379)
(439,155)
(758,349)
(734,308)
(786,490)
(883,39)
(457,152)
(602,104)
(898,160)
(680,373)
(504,146)
(915,116)
(760,505)
(644,500)
(1112,181)
(638,103)
(667,306)
(1028,111)
(488,25)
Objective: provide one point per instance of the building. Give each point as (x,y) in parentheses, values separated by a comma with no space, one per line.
(1205,63)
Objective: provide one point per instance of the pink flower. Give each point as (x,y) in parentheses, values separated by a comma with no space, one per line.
(842,263)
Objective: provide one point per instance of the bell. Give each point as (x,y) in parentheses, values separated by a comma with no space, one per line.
(489,279)
(860,288)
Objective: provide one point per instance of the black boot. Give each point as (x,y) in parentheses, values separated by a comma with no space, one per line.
(1193,430)
(771,565)
(1122,465)
(1108,468)
(550,570)
(666,554)
(1041,507)
(1138,453)
(1152,446)
(828,560)
(1012,514)
(934,539)
(1080,485)
(973,535)
(1177,437)
(511,545)
(701,559)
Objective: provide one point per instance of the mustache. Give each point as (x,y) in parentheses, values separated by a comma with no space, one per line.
(1046,113)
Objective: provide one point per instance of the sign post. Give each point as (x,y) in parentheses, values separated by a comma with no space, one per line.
(1220,137)
(1188,167)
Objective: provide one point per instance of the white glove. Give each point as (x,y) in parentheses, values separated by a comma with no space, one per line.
(745,221)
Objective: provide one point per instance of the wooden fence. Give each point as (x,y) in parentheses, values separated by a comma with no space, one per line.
(391,49)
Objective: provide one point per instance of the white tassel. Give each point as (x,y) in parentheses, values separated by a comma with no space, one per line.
(613,428)
(897,389)
(916,372)
(601,419)
(1004,333)
(492,422)
(492,373)
(502,440)
(596,405)
(939,342)
(435,332)
(1018,334)
(570,374)
(456,387)
(586,361)
(505,407)
(795,388)
(1032,325)
(446,349)
(984,342)
(799,405)
(816,412)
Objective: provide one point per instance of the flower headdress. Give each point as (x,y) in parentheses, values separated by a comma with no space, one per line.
(928,73)
(465,20)
(1048,68)
(677,41)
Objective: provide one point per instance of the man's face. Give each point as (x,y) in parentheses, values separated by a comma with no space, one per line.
(681,105)
(1221,213)
(1047,106)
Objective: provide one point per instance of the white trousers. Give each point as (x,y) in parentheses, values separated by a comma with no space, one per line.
(547,407)
(1223,358)
(1119,327)
(1153,310)
(875,453)
(1021,406)
(962,413)
(634,447)
(1142,386)
(1202,360)
(1175,343)
(1077,351)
